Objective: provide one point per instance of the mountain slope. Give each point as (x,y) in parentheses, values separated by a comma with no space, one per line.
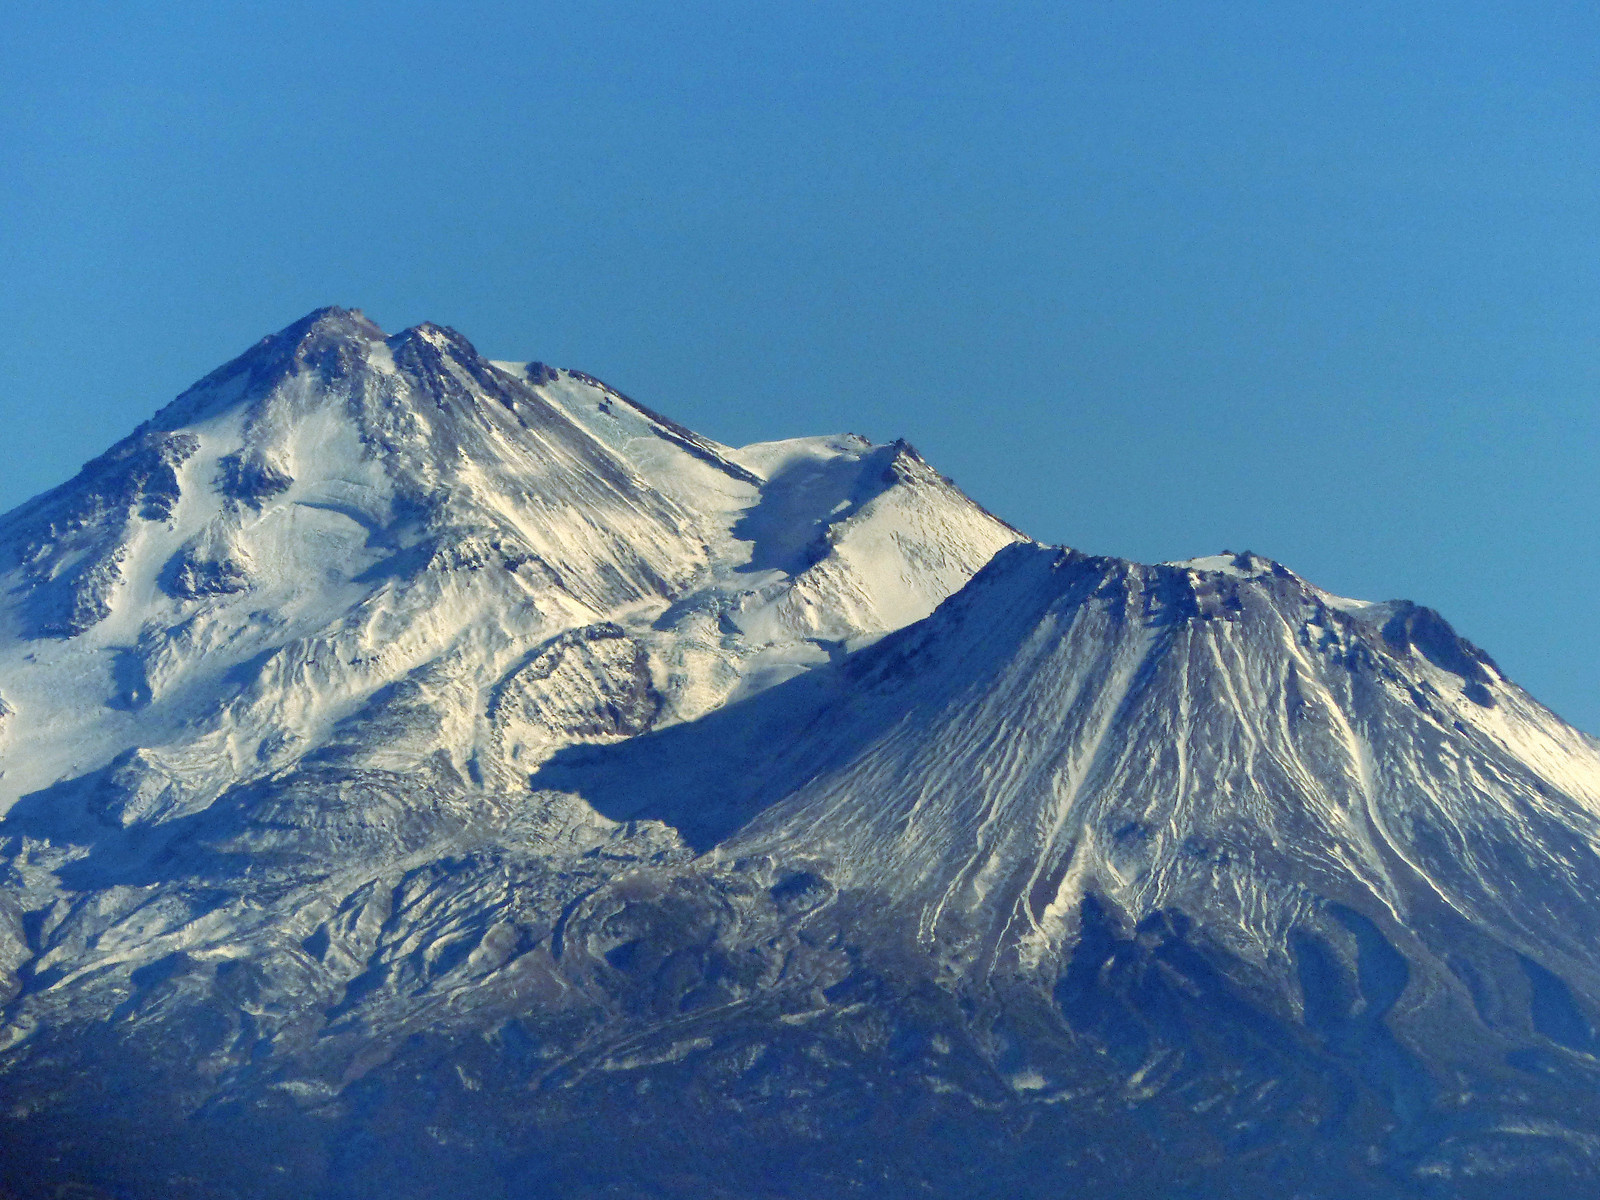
(433,776)
(337,512)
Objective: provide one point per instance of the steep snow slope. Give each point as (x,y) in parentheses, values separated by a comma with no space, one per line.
(1217,737)
(432,776)
(337,512)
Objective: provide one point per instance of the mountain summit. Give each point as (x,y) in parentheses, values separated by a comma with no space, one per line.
(337,512)
(427,776)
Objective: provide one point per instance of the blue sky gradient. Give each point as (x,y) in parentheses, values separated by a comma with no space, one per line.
(1151,279)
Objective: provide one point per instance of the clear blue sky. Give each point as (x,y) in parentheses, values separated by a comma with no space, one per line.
(1152,279)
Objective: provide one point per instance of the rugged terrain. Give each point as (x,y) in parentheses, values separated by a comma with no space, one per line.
(427,776)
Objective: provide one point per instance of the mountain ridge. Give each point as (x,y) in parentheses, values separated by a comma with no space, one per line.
(426,773)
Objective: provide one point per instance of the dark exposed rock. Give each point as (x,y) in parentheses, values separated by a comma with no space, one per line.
(74,539)
(539,373)
(1414,627)
(253,480)
(193,578)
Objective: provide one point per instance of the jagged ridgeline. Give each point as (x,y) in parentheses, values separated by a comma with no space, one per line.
(425,776)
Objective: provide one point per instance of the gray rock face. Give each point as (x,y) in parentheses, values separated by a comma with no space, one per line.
(71,543)
(474,784)
(254,480)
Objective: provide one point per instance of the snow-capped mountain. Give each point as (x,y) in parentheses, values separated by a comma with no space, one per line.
(337,513)
(428,776)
